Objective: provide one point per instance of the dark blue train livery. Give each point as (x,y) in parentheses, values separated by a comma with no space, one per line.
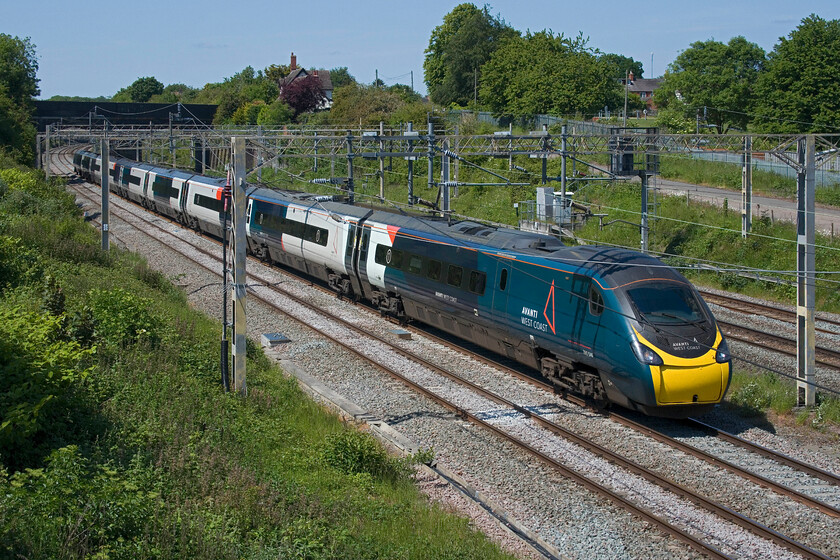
(611,324)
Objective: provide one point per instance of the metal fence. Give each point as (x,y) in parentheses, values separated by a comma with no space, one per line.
(827,175)
(532,122)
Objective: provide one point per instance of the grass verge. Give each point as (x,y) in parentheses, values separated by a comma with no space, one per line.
(117,442)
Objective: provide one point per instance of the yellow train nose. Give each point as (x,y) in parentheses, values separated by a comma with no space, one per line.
(696,383)
(700,380)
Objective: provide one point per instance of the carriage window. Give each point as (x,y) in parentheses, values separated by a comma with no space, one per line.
(379,255)
(394,258)
(415,264)
(207,202)
(162,186)
(388,256)
(453,277)
(433,273)
(363,247)
(477,281)
(596,302)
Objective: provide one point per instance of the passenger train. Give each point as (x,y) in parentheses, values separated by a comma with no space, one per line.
(611,324)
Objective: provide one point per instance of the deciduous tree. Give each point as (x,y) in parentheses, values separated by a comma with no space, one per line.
(716,79)
(341,77)
(303,95)
(18,85)
(799,91)
(368,105)
(276,112)
(457,50)
(544,73)
(140,91)
(621,65)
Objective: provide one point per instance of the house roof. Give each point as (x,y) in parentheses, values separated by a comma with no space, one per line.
(323,76)
(643,84)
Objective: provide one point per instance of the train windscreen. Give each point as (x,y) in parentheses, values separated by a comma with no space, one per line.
(667,304)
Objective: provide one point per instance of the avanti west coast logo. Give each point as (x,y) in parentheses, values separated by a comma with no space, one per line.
(531,317)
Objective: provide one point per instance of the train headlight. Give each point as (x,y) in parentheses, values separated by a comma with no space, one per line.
(723,354)
(645,355)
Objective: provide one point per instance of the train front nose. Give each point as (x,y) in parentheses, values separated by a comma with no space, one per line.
(686,381)
(699,382)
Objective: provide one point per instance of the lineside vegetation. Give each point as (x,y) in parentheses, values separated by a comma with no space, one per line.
(116,440)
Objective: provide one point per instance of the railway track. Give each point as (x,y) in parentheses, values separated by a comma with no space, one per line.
(593,447)
(824,356)
(765,310)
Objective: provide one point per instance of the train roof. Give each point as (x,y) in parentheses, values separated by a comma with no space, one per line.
(613,266)
(616,266)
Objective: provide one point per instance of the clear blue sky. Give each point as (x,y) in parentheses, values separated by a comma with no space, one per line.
(95,48)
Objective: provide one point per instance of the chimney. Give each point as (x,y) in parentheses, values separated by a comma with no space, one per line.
(631,76)
(293,63)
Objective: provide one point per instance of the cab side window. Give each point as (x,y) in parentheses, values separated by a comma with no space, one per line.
(596,301)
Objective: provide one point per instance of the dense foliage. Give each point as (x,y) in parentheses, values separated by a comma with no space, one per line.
(368,105)
(116,440)
(457,50)
(562,77)
(18,87)
(714,77)
(798,91)
(303,95)
(622,65)
(140,91)
(341,77)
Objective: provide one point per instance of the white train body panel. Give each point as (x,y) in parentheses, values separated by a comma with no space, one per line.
(380,234)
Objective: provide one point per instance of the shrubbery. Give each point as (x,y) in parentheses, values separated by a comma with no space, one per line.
(116,440)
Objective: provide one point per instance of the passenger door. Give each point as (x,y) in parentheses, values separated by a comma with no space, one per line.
(501,290)
(586,303)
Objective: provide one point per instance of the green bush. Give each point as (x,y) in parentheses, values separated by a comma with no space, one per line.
(38,371)
(353,452)
(74,509)
(18,265)
(123,318)
(757,394)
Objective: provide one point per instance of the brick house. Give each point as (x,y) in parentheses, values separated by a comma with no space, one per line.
(297,72)
(644,88)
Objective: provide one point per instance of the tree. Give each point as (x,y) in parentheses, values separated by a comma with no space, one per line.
(561,77)
(714,80)
(405,92)
(174,93)
(18,85)
(303,94)
(355,103)
(18,68)
(276,72)
(621,64)
(243,87)
(141,91)
(457,50)
(341,77)
(799,91)
(248,113)
(276,112)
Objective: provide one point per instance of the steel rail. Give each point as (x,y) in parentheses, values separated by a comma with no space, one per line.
(593,447)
